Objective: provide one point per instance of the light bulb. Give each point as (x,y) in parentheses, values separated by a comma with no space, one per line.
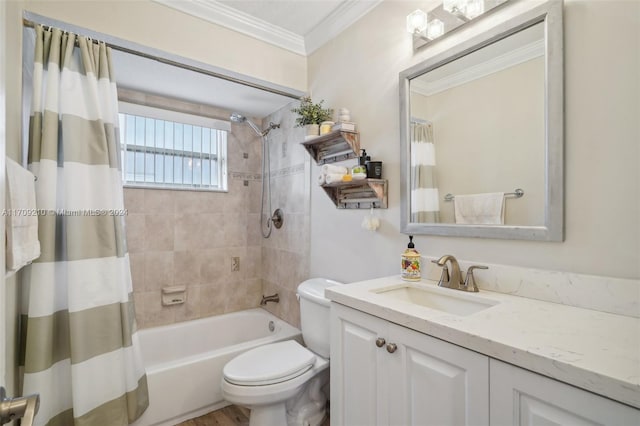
(416,21)
(435,29)
(473,8)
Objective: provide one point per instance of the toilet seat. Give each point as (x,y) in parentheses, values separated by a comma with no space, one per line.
(269,364)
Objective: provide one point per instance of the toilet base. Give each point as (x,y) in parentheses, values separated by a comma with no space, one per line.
(268,415)
(308,408)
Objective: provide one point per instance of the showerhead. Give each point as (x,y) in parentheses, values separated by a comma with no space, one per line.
(235,117)
(239,118)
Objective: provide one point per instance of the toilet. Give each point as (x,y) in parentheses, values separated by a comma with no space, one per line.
(282,383)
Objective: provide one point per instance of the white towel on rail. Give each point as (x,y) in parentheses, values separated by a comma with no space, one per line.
(21,220)
(480,209)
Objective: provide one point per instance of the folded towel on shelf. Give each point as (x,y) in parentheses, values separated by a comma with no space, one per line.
(322,179)
(333,177)
(479,209)
(21,220)
(331,169)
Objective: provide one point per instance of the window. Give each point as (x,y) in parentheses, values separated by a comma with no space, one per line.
(167,149)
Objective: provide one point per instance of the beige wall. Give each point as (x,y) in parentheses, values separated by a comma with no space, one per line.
(472,156)
(154,25)
(359,70)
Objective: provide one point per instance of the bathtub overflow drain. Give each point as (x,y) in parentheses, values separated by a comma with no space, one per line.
(272,326)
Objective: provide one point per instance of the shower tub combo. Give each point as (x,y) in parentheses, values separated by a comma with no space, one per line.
(184,361)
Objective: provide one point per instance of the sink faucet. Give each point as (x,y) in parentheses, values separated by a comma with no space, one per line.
(455,280)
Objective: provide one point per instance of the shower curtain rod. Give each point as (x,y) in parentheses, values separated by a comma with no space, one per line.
(176,61)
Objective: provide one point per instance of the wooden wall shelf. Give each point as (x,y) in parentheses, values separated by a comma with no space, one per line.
(334,146)
(355,194)
(358,194)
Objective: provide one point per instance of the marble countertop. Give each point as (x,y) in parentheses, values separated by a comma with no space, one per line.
(592,350)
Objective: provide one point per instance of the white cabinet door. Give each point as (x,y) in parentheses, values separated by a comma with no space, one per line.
(357,382)
(432,382)
(521,397)
(410,379)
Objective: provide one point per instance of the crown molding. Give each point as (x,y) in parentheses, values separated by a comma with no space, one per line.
(241,22)
(337,21)
(332,25)
(499,63)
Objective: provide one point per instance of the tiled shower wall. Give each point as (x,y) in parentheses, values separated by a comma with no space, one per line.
(285,255)
(189,238)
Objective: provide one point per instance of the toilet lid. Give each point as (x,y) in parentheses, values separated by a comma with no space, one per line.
(268,364)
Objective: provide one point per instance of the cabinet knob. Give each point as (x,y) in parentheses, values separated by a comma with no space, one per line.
(380,342)
(391,347)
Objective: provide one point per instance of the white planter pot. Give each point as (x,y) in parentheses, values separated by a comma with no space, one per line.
(313,130)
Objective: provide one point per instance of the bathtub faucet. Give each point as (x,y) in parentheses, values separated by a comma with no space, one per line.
(272,298)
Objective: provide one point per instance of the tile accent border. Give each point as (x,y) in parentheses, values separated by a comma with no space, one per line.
(288,171)
(245,176)
(285,171)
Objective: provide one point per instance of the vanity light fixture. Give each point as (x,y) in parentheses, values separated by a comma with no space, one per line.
(451,14)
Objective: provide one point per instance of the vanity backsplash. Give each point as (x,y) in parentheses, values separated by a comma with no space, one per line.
(614,295)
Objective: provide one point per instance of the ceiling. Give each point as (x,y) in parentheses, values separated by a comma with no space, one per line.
(300,26)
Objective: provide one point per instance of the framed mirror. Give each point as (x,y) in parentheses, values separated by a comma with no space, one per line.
(481,129)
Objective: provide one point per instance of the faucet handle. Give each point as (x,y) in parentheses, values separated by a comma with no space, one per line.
(444,278)
(469,281)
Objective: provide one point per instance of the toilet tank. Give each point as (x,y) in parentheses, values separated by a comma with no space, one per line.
(314,314)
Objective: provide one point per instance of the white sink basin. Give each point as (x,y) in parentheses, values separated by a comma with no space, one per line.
(442,299)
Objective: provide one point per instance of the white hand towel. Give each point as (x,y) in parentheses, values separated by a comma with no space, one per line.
(328,169)
(333,177)
(322,178)
(480,209)
(21,217)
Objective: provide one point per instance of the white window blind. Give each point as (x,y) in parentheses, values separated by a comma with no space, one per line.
(167,149)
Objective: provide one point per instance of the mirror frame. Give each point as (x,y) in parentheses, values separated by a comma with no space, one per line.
(549,13)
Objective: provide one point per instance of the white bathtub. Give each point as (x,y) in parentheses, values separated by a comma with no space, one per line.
(184,361)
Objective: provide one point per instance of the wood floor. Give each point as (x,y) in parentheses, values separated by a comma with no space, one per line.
(227,416)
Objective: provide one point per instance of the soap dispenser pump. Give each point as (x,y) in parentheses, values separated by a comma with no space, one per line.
(363,159)
(410,263)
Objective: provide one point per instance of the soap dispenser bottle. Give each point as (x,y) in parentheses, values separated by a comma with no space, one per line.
(410,262)
(363,159)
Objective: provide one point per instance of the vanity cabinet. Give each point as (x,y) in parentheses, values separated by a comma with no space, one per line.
(523,398)
(386,374)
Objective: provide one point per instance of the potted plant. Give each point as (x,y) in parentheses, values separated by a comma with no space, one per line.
(310,115)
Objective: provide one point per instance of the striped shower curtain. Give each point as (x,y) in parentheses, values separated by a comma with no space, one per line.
(425,205)
(81,352)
